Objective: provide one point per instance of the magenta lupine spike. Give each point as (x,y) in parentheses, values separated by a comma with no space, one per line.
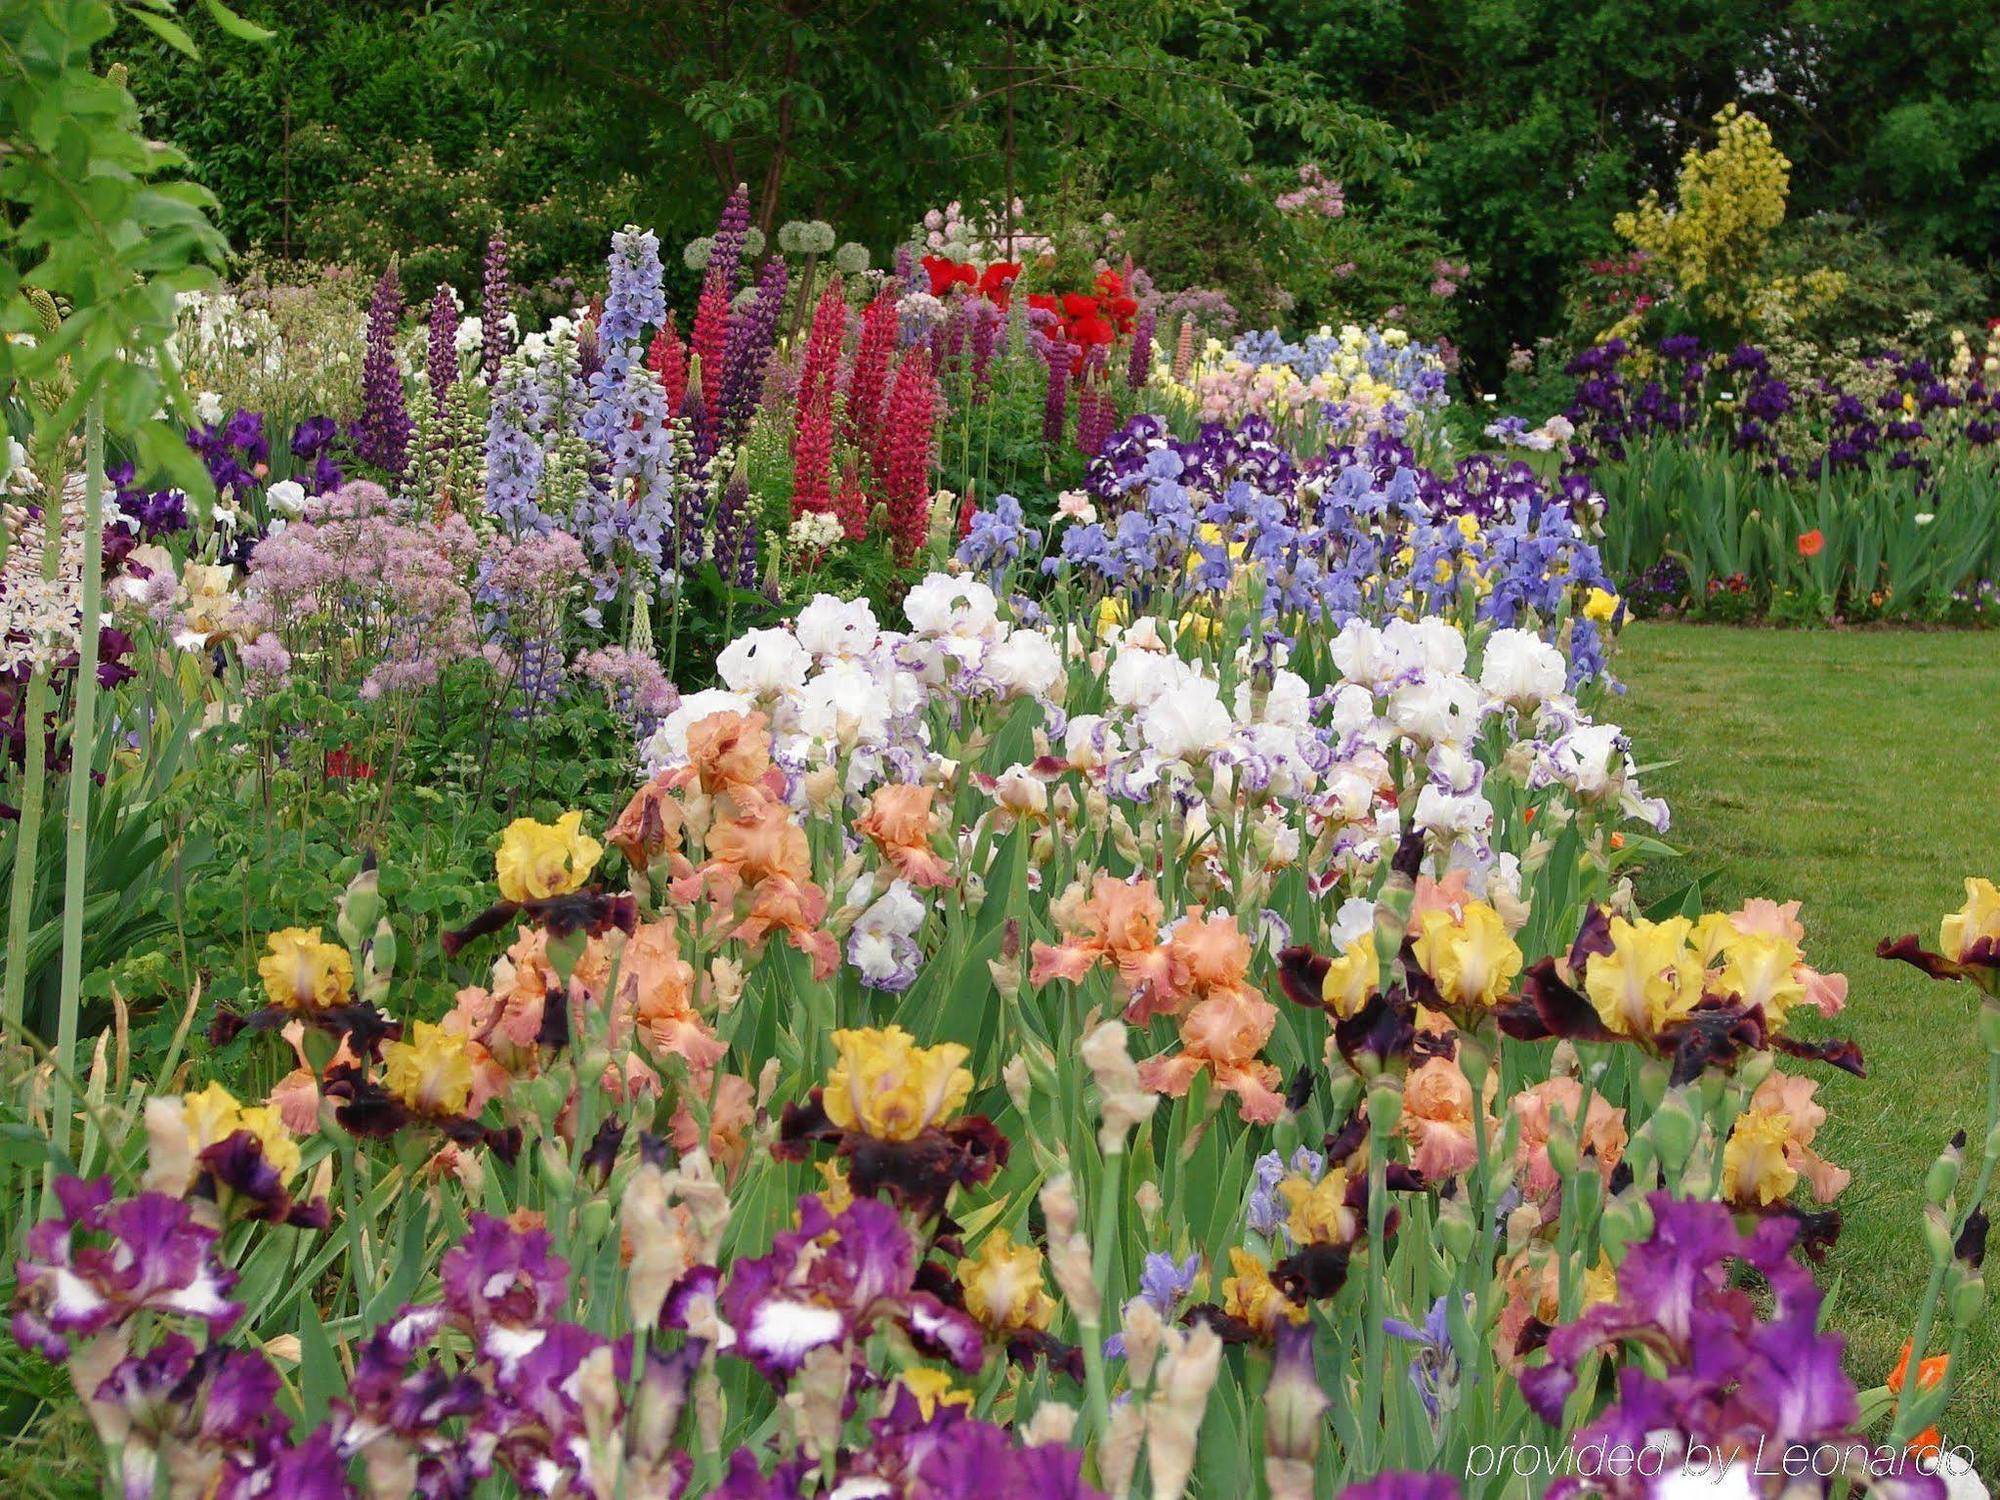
(495,308)
(443,361)
(383,435)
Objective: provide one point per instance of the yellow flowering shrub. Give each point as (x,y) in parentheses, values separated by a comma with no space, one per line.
(1729,199)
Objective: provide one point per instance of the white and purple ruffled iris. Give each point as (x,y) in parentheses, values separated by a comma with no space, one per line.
(101,1262)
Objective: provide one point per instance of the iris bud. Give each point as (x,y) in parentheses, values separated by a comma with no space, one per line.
(1523,1224)
(555,1166)
(1755,1069)
(1294,1398)
(1653,1078)
(1584,1196)
(1641,1156)
(1968,1299)
(1626,1220)
(1454,1228)
(1385,1108)
(1711,1086)
(1674,1128)
(1341,1095)
(1937,1234)
(1562,1150)
(1474,1063)
(1942,1178)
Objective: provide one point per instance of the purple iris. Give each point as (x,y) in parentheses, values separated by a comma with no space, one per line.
(1434,1369)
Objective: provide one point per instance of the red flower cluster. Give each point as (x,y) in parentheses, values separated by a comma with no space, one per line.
(902,456)
(667,357)
(812,413)
(995,283)
(1092,322)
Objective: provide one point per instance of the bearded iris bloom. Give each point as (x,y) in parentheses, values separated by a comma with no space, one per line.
(308,979)
(1646,983)
(100,1263)
(541,869)
(1003,1285)
(242,1155)
(889,1108)
(887,1087)
(431,1073)
(1468,955)
(831,1281)
(1729,1377)
(303,972)
(425,1080)
(1968,941)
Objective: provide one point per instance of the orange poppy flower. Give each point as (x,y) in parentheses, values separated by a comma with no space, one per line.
(1812,543)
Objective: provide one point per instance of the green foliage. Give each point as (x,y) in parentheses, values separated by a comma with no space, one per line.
(1538,121)
(99,220)
(270,835)
(1888,290)
(1861,544)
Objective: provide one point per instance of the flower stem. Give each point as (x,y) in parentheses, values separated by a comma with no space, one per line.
(82,752)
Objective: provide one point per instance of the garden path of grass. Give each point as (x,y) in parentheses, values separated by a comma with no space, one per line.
(1858,772)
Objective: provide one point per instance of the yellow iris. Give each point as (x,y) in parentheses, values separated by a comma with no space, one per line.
(1350,978)
(301,971)
(836,1194)
(1712,938)
(1003,1285)
(213,1115)
(430,1073)
(933,1388)
(1762,970)
(1650,978)
(1249,1295)
(540,860)
(888,1087)
(1320,1214)
(1472,961)
(1198,625)
(1600,1282)
(1111,613)
(1978,918)
(1600,605)
(1754,1164)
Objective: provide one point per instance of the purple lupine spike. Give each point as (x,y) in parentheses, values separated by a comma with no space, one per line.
(736,532)
(1055,408)
(1140,365)
(443,362)
(906,264)
(987,322)
(383,436)
(751,332)
(495,308)
(731,230)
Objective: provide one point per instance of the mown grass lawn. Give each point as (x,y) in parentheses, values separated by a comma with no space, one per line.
(1858,772)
